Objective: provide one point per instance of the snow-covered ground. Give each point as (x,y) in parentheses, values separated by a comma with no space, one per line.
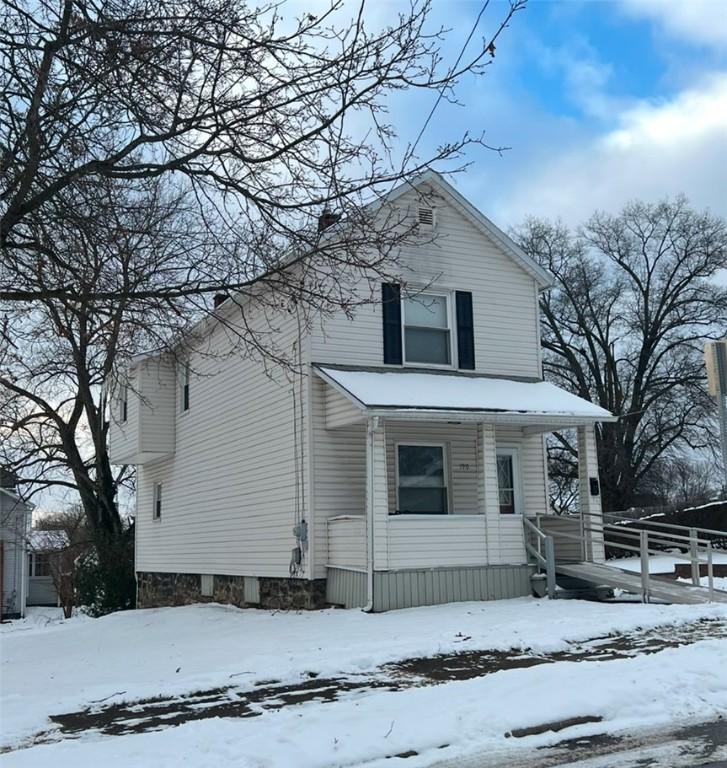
(61,666)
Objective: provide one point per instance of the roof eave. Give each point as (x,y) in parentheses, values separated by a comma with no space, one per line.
(513,418)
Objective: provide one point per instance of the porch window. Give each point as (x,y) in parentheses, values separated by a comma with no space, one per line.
(426,328)
(507,483)
(421,480)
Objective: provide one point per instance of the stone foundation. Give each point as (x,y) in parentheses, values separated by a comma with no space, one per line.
(297,594)
(167,589)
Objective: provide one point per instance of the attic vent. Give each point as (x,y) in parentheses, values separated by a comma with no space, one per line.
(425,216)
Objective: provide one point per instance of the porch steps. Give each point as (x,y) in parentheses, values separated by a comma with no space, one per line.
(599,574)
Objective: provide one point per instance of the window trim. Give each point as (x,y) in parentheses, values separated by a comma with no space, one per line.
(451,327)
(157,501)
(514,454)
(446,472)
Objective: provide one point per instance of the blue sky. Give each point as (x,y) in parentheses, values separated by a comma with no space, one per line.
(599,101)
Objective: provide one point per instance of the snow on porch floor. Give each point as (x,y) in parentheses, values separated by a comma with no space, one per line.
(462,699)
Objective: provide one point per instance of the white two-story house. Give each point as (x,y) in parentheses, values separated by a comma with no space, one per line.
(394,471)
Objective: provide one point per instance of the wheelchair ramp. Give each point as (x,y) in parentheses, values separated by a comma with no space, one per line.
(665,590)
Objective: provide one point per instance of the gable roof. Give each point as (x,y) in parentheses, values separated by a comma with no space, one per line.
(478,219)
(542,277)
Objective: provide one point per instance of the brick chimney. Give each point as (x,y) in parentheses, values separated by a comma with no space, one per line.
(327,219)
(8,479)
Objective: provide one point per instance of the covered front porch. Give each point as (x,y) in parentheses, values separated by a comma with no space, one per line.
(451,469)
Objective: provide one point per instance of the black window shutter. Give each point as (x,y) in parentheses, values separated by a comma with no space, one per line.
(465,330)
(391,301)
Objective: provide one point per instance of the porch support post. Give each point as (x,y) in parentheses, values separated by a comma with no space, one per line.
(589,486)
(487,492)
(377,503)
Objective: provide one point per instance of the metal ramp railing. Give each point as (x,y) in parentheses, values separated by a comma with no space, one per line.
(692,544)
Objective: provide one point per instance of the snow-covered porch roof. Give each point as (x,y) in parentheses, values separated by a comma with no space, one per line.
(446,396)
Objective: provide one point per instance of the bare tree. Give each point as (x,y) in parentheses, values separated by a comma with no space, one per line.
(155,153)
(56,370)
(686,480)
(625,328)
(266,121)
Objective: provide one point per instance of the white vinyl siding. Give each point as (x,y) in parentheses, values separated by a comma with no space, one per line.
(504,302)
(148,434)
(347,541)
(339,473)
(229,492)
(14,525)
(435,541)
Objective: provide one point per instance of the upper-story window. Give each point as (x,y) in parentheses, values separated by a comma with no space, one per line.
(433,328)
(124,403)
(184,388)
(427,329)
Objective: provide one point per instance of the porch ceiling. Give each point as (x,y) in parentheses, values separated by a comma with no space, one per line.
(406,394)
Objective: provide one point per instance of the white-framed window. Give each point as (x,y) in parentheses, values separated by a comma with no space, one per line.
(124,403)
(39,564)
(508,482)
(427,329)
(157,501)
(184,388)
(422,486)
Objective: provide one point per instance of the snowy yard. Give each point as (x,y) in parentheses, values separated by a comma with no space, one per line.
(52,667)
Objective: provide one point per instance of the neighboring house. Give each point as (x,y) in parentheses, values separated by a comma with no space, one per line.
(42,547)
(395,471)
(15,519)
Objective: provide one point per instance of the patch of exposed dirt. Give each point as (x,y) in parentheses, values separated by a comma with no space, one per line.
(468,664)
(230,701)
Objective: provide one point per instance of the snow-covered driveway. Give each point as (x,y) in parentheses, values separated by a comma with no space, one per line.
(68,667)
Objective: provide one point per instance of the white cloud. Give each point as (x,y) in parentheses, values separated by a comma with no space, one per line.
(701,21)
(654,150)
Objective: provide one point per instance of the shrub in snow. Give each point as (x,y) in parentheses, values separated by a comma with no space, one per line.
(106,580)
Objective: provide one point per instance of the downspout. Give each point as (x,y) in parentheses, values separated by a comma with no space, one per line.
(372,426)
